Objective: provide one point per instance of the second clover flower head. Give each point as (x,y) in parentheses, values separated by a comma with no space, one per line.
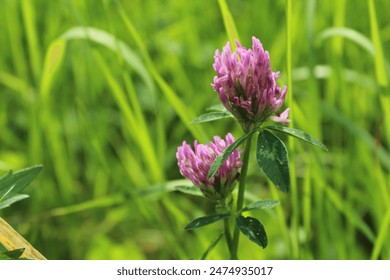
(247,87)
(194,164)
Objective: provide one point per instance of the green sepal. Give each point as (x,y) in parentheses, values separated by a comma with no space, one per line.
(253,229)
(271,155)
(206,220)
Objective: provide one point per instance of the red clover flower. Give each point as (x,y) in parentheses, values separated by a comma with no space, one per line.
(247,87)
(195,165)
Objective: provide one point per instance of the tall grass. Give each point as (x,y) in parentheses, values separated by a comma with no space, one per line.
(102,93)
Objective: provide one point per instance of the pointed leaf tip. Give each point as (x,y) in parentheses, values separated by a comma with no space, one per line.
(299,134)
(206,220)
(253,229)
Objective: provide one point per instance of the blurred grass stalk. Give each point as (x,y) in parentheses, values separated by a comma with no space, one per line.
(291,147)
(382,78)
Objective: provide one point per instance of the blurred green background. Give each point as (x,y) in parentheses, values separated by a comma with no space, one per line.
(102,93)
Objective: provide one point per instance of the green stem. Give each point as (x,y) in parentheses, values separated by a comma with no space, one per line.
(228,236)
(240,199)
(226,208)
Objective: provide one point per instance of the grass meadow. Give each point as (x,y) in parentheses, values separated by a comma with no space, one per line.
(101,93)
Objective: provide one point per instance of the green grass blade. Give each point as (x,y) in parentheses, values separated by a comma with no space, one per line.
(103,38)
(32,37)
(94,204)
(348,211)
(295,252)
(53,60)
(184,112)
(362,134)
(349,34)
(380,67)
(228,21)
(136,119)
(144,141)
(339,21)
(16,39)
(382,236)
(15,83)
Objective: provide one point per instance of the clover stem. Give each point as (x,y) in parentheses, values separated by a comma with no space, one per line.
(228,236)
(224,207)
(240,198)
